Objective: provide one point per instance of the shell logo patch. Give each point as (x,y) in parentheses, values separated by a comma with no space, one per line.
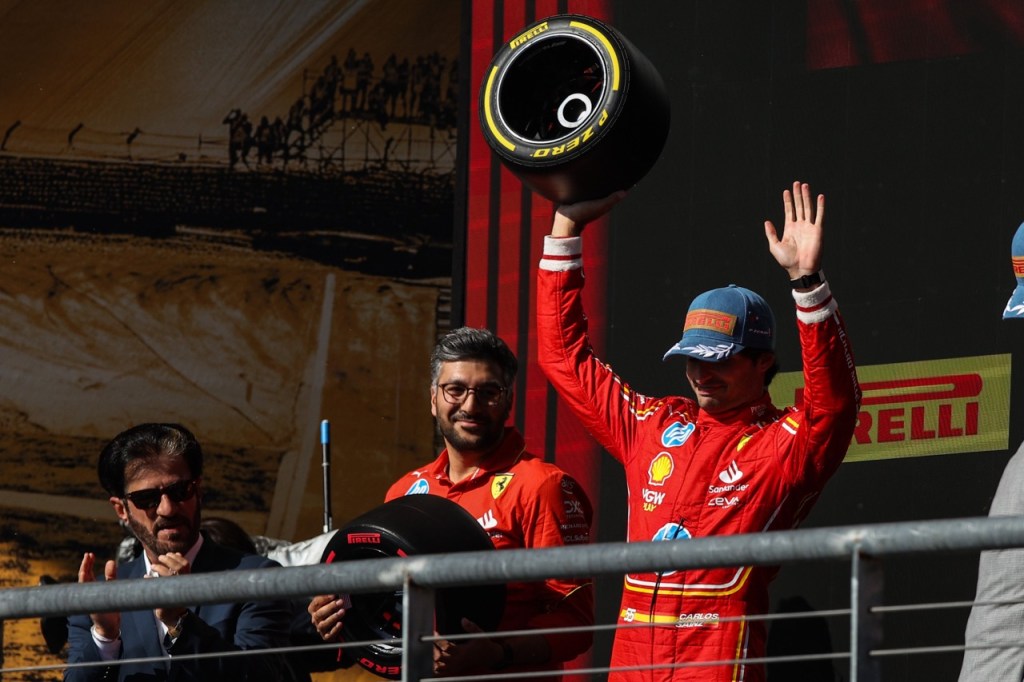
(499,484)
(661,468)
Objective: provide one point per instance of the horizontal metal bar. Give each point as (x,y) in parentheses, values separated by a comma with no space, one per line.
(928,606)
(639,668)
(490,567)
(762,617)
(918,650)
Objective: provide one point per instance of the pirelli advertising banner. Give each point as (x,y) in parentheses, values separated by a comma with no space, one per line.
(915,409)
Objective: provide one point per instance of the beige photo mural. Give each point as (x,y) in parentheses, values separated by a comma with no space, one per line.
(234,215)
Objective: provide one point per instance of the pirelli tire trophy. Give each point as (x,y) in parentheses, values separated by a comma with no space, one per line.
(414,524)
(574,109)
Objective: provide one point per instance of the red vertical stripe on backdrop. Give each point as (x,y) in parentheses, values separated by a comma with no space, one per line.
(599,9)
(528,228)
(479,176)
(535,420)
(509,227)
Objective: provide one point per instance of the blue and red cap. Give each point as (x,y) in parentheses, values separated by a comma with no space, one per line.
(1015,306)
(722,322)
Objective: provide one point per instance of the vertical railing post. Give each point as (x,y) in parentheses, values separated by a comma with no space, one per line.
(866,587)
(417,623)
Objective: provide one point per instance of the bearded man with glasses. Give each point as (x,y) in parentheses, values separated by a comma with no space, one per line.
(518,498)
(153,474)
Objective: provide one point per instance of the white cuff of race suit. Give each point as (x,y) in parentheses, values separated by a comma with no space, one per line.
(816,305)
(562,253)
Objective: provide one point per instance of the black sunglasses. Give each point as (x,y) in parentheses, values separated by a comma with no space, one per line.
(150,497)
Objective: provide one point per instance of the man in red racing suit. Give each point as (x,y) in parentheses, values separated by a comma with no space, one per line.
(523,502)
(518,498)
(728,462)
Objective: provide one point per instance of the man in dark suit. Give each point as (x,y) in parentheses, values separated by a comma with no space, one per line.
(153,473)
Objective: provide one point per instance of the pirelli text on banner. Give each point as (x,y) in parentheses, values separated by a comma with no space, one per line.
(933,407)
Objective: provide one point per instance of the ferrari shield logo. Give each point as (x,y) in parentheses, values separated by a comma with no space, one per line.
(499,484)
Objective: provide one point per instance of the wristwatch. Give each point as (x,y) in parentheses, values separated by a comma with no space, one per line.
(808,281)
(175,631)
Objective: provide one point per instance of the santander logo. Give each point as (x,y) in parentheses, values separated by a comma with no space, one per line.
(731,474)
(487,521)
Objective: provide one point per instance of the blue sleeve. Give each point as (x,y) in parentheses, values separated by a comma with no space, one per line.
(82,648)
(250,626)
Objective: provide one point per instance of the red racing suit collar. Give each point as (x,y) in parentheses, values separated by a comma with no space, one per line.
(503,457)
(751,413)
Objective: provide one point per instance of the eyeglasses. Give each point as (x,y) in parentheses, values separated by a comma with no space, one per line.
(150,497)
(456,394)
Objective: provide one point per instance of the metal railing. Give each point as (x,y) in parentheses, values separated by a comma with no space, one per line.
(420,576)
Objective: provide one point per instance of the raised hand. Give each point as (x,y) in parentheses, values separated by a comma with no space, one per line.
(570,219)
(798,250)
(108,625)
(166,565)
